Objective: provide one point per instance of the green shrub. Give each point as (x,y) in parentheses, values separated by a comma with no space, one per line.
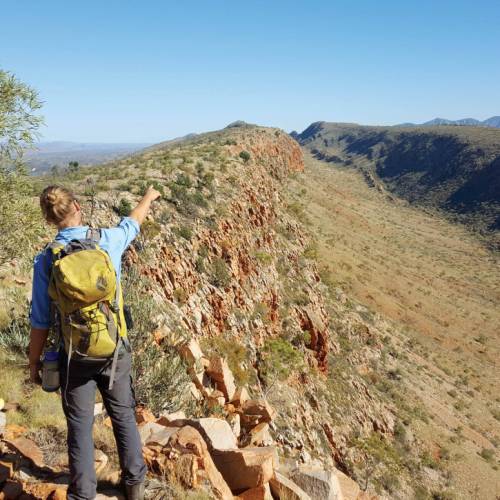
(278,360)
(20,217)
(15,337)
(236,355)
(245,156)
(180,295)
(264,257)
(220,275)
(184,180)
(150,229)
(488,454)
(124,208)
(183,232)
(161,379)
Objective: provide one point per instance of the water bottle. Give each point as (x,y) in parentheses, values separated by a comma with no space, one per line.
(50,371)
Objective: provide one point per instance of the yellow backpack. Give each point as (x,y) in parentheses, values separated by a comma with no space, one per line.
(87,300)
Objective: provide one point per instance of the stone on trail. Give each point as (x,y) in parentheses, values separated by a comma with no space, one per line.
(28,449)
(240,396)
(350,488)
(143,415)
(161,437)
(256,411)
(98,409)
(317,482)
(234,422)
(247,467)
(216,432)
(216,399)
(168,418)
(3,423)
(262,492)
(100,461)
(187,447)
(260,435)
(191,352)
(282,487)
(44,491)
(147,430)
(218,370)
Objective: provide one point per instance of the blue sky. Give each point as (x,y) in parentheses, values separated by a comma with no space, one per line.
(130,71)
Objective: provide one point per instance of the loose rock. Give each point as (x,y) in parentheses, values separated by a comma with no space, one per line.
(219,371)
(247,467)
(317,482)
(282,487)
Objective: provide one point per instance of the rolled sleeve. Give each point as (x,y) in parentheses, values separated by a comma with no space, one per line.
(40,300)
(119,238)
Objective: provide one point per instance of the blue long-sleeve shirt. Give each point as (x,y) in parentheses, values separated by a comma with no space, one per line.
(113,240)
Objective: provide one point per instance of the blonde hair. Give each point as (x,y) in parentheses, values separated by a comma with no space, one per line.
(56,202)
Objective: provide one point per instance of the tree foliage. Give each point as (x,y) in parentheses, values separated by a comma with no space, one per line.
(19,121)
(20,221)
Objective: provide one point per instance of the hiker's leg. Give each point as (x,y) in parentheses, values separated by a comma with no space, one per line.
(78,397)
(120,405)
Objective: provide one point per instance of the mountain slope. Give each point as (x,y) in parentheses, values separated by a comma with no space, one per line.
(233,257)
(438,289)
(456,169)
(494,122)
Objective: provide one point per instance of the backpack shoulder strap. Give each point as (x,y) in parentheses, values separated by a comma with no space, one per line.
(54,248)
(94,235)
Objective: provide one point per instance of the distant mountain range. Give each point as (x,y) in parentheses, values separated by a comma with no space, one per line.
(494,122)
(48,154)
(454,168)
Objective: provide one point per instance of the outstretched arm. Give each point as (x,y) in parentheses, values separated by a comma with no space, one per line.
(141,210)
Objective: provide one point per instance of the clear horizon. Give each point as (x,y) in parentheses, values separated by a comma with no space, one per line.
(145,73)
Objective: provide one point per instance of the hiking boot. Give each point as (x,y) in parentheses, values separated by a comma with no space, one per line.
(135,491)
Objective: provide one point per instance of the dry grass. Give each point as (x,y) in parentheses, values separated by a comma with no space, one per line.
(439,285)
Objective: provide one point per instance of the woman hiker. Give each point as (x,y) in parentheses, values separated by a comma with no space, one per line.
(80,377)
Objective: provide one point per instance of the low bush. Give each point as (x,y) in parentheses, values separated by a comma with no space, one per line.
(124,208)
(245,156)
(278,360)
(220,275)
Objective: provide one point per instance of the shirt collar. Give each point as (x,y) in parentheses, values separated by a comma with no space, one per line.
(69,233)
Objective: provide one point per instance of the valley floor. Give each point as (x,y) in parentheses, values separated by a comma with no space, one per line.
(441,288)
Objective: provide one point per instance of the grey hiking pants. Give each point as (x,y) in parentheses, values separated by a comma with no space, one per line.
(78,398)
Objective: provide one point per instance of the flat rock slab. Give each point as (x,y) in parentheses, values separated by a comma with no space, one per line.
(216,432)
(350,488)
(28,449)
(318,483)
(148,429)
(218,369)
(262,492)
(246,468)
(282,487)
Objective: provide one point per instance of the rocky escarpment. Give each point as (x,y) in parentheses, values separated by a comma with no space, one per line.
(245,241)
(226,260)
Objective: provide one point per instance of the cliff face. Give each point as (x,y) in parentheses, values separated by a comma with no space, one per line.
(244,239)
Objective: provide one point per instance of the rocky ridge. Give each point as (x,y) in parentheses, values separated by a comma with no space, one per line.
(226,261)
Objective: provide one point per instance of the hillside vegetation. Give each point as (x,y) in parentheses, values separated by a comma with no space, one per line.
(456,169)
(439,288)
(235,257)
